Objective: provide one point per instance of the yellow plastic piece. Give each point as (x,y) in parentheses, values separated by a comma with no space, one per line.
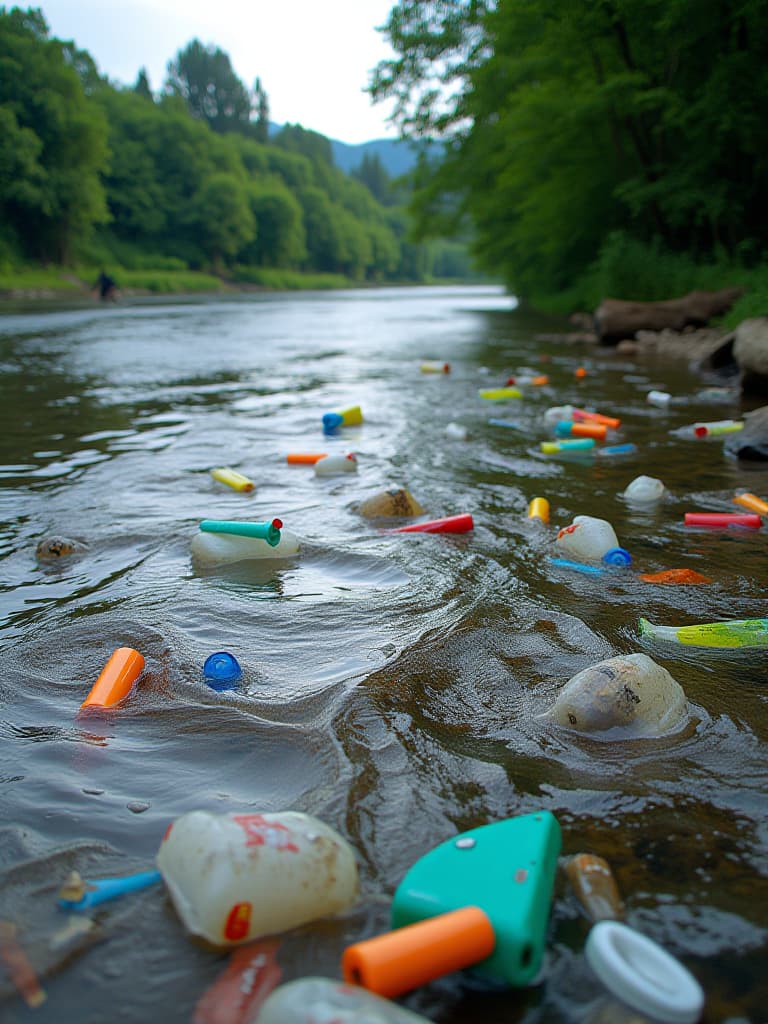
(233,479)
(499,394)
(539,509)
(752,502)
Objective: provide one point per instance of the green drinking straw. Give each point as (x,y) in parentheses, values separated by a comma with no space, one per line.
(270,532)
(731,633)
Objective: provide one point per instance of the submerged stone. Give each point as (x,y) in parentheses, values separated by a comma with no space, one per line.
(396,501)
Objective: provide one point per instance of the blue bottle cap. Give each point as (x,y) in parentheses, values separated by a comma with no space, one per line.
(221,670)
(332,420)
(617,556)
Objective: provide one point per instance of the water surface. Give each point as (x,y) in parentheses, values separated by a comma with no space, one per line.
(391,682)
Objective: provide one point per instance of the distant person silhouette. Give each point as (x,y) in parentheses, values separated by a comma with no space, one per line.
(106,287)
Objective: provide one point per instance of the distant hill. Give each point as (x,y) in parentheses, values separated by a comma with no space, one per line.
(397,157)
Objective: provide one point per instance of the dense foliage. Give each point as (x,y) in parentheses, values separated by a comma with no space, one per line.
(579,129)
(91,172)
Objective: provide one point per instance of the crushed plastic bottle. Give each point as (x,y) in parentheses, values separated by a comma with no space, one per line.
(323,1001)
(236,877)
(591,540)
(592,880)
(336,465)
(644,490)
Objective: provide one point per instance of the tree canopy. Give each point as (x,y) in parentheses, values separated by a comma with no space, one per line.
(567,122)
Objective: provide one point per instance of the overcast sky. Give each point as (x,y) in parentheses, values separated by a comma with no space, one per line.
(313,56)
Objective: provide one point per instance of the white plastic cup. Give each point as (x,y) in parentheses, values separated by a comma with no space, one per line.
(659,398)
(456,432)
(236,877)
(558,413)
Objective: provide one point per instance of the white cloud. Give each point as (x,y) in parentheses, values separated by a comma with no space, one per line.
(314,57)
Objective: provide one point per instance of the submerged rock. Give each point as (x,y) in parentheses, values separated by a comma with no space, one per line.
(630,692)
(396,501)
(51,548)
(751,443)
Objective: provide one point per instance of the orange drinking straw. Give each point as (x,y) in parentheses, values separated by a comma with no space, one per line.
(116,679)
(596,430)
(596,417)
(752,502)
(401,960)
(304,459)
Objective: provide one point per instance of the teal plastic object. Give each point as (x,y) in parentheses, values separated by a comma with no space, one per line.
(507,870)
(270,532)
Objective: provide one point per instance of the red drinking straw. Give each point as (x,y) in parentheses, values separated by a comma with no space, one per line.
(453,524)
(754,522)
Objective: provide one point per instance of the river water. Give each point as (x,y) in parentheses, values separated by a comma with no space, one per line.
(392,682)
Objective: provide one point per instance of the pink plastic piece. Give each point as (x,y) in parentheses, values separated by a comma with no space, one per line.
(453,524)
(754,522)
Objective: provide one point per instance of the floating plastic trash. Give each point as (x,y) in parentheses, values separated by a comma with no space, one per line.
(616,556)
(717,428)
(453,524)
(675,577)
(592,880)
(587,538)
(730,633)
(336,465)
(78,894)
(17,964)
(396,501)
(532,380)
(239,992)
(233,479)
(236,877)
(315,1000)
(221,670)
(116,680)
(642,974)
(570,428)
(350,417)
(644,490)
(557,413)
(539,509)
(435,367)
(660,398)
(584,415)
(751,501)
(304,458)
(578,444)
(499,394)
(456,432)
(480,899)
(580,372)
(220,542)
(567,563)
(629,692)
(617,449)
(505,423)
(723,519)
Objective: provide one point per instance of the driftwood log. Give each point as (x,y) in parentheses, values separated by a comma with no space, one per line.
(617,319)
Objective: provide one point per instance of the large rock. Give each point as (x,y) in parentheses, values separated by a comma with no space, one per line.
(616,319)
(751,443)
(631,693)
(750,350)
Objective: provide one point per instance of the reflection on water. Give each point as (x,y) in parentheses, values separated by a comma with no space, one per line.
(392,683)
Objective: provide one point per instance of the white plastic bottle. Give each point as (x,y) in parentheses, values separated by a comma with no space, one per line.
(322,1001)
(587,538)
(209,549)
(336,465)
(236,877)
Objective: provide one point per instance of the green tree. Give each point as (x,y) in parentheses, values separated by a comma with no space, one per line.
(222,217)
(280,239)
(373,175)
(260,130)
(53,136)
(142,87)
(204,78)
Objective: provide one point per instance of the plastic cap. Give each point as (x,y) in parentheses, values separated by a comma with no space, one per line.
(221,670)
(332,420)
(643,974)
(617,556)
